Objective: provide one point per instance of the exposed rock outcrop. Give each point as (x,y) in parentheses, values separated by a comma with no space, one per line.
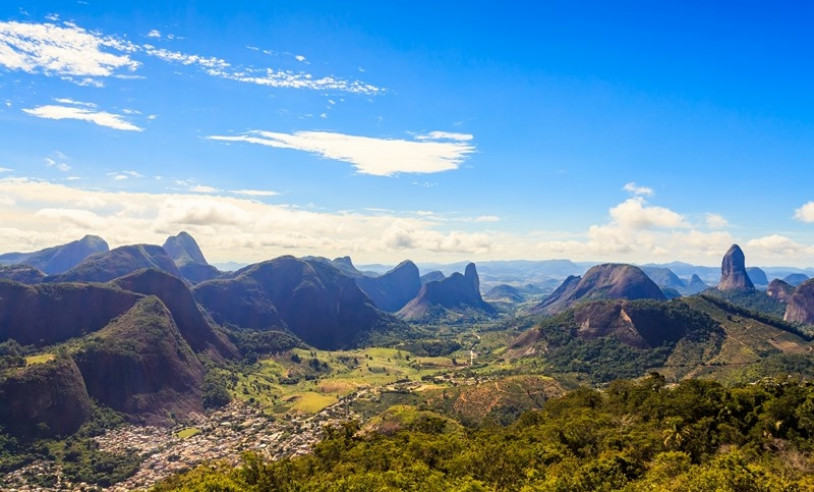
(795,279)
(45,314)
(187,256)
(800,305)
(780,290)
(22,273)
(664,278)
(696,285)
(433,276)
(392,290)
(141,365)
(608,281)
(733,271)
(44,400)
(459,294)
(757,276)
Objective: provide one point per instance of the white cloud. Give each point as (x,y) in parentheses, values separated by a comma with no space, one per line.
(5,170)
(255,192)
(805,213)
(300,58)
(154,33)
(227,227)
(67,50)
(460,137)
(203,189)
(122,175)
(715,221)
(101,118)
(64,100)
(638,190)
(634,213)
(778,246)
(376,156)
(62,166)
(186,59)
(296,80)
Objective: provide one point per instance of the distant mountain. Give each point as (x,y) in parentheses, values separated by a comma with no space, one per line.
(58,259)
(312,299)
(757,276)
(141,365)
(695,285)
(795,279)
(780,290)
(733,271)
(433,276)
(196,327)
(664,278)
(104,267)
(608,281)
(392,290)
(187,256)
(504,293)
(800,305)
(456,295)
(22,273)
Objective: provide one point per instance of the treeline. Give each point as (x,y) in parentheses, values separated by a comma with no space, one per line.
(633,436)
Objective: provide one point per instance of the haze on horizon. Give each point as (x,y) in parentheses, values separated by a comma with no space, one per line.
(439,133)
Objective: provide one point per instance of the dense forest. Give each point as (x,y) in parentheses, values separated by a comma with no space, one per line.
(634,435)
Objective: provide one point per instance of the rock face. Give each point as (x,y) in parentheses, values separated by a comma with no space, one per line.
(187,256)
(780,290)
(757,276)
(45,314)
(800,306)
(505,293)
(608,281)
(118,262)
(58,259)
(196,327)
(696,285)
(313,299)
(456,293)
(733,271)
(141,365)
(392,290)
(44,400)
(795,279)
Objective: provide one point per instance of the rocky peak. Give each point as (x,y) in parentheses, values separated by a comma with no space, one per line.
(733,271)
(800,305)
(184,249)
(471,275)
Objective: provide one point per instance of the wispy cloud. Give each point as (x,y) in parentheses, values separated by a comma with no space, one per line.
(638,190)
(296,80)
(376,156)
(715,221)
(805,213)
(458,137)
(101,118)
(257,193)
(154,33)
(5,170)
(62,166)
(67,50)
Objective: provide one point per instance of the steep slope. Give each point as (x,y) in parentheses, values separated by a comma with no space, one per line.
(780,290)
(608,281)
(118,262)
(187,256)
(456,295)
(733,271)
(800,306)
(196,327)
(504,293)
(44,400)
(392,290)
(58,259)
(140,365)
(45,314)
(312,299)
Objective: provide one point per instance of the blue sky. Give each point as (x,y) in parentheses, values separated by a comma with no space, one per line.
(435,131)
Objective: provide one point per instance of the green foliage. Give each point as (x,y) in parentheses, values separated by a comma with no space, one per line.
(216,387)
(263,342)
(82,461)
(754,304)
(12,354)
(636,436)
(431,347)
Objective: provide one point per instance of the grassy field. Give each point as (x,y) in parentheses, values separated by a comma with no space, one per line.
(38,359)
(187,433)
